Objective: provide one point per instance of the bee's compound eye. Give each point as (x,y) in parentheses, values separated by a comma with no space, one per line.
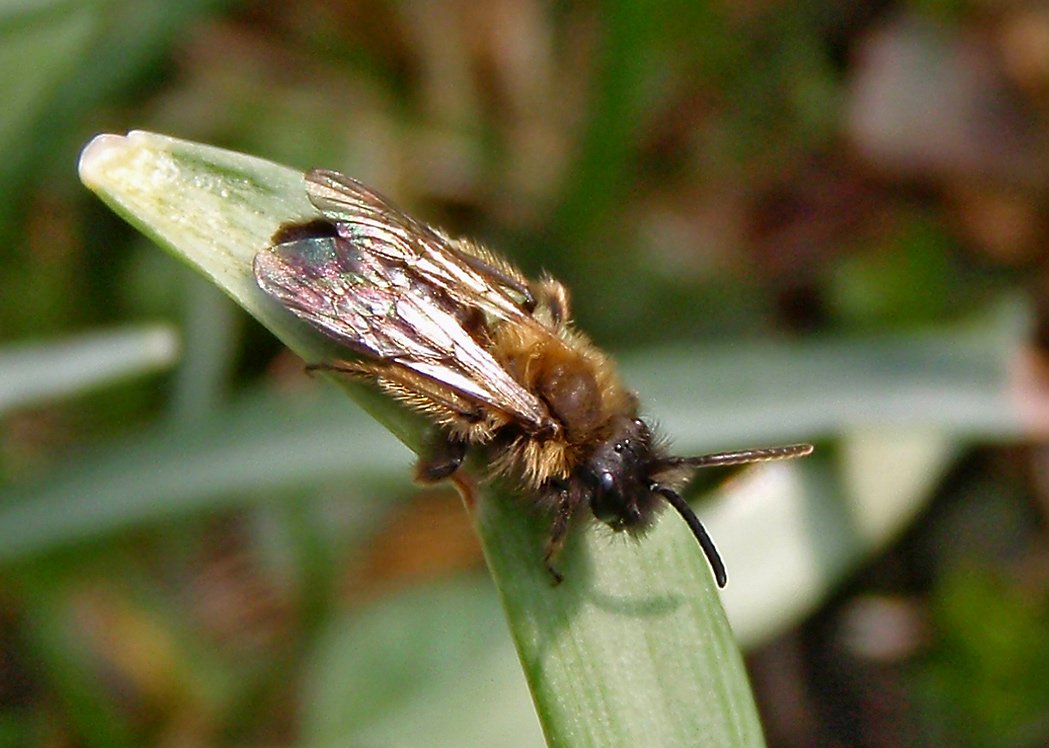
(618,448)
(604,502)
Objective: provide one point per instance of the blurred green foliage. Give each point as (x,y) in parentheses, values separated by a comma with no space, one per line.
(984,676)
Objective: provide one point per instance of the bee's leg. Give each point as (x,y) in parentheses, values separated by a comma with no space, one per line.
(443,457)
(441,405)
(444,451)
(553,297)
(350,368)
(563,510)
(480,259)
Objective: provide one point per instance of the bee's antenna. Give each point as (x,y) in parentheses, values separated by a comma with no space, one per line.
(742,457)
(682,507)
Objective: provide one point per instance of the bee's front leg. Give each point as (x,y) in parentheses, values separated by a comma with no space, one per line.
(564,508)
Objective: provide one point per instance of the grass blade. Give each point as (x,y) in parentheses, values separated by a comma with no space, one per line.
(31,374)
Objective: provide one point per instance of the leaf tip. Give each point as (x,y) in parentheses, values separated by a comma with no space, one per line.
(96,154)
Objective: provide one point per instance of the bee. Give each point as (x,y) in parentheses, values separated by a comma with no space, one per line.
(455,332)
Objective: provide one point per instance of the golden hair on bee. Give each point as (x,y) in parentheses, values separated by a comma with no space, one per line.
(455,332)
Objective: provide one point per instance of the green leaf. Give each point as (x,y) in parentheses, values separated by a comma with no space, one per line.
(31,374)
(633,647)
(245,453)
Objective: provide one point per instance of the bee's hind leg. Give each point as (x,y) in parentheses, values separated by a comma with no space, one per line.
(444,452)
(441,459)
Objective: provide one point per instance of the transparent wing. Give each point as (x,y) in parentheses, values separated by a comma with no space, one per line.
(469,273)
(376,303)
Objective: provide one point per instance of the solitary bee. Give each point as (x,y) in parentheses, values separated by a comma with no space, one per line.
(458,334)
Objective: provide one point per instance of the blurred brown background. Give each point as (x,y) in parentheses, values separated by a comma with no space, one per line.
(694,172)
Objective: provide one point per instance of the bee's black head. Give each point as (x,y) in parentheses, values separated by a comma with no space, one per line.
(624,478)
(620,495)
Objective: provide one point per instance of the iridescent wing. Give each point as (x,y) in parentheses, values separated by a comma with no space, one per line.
(363,288)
